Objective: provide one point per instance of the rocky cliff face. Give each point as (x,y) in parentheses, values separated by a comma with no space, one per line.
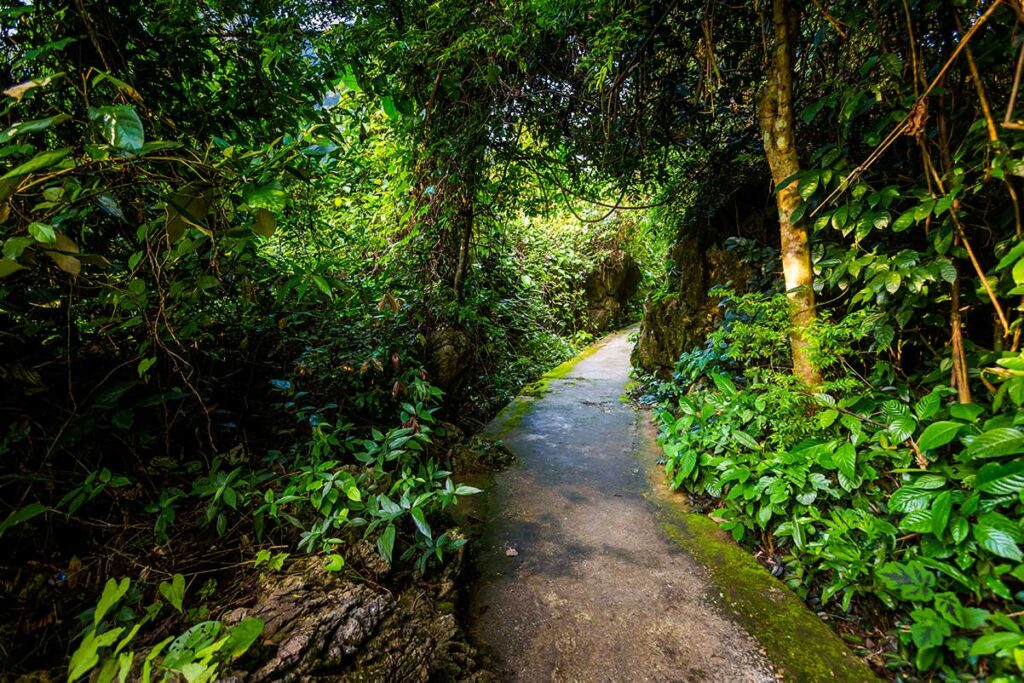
(681,320)
(608,289)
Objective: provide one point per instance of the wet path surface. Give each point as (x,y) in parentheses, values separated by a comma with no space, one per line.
(577,580)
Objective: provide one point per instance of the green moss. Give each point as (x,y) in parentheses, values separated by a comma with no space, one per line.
(800,644)
(542,385)
(510,416)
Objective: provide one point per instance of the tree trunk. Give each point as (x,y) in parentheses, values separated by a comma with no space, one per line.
(776,117)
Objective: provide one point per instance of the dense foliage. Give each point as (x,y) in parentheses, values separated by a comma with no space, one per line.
(259,256)
(890,495)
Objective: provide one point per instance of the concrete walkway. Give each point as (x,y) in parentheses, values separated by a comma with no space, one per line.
(579,575)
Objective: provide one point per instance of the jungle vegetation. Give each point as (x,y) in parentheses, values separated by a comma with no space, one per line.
(261,257)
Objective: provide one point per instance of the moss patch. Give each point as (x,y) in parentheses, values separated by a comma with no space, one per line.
(802,646)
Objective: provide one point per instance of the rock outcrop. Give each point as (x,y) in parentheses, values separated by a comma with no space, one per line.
(321,627)
(681,320)
(608,289)
(450,355)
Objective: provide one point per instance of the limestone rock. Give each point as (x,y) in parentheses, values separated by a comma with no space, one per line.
(322,627)
(450,355)
(608,289)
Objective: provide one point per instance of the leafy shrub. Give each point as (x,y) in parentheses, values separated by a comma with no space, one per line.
(865,493)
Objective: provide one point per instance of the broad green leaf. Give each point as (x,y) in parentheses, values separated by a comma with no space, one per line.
(35,126)
(941,508)
(421,521)
(174,592)
(38,162)
(909,498)
(845,458)
(903,221)
(242,635)
(1001,479)
(188,206)
(120,126)
(997,442)
(386,542)
(335,563)
(918,521)
(22,515)
(911,581)
(997,542)
(996,642)
(938,434)
(902,428)
(9,266)
(113,591)
(265,223)
(271,196)
(42,232)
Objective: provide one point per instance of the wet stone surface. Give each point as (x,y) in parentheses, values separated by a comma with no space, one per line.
(576,578)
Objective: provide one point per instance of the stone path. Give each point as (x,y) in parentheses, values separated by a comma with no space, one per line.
(577,579)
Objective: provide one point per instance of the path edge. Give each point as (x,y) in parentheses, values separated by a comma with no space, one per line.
(795,639)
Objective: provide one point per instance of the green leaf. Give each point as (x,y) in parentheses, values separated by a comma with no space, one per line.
(184,648)
(918,521)
(388,104)
(144,365)
(22,515)
(808,184)
(938,434)
(997,542)
(997,442)
(1011,256)
(271,196)
(902,428)
(845,458)
(38,162)
(352,492)
(966,411)
(420,521)
(35,126)
(265,223)
(242,635)
(1002,480)
(335,563)
(9,266)
(827,417)
(174,592)
(464,490)
(120,126)
(386,542)
(996,642)
(911,581)
(1018,272)
(113,591)
(942,506)
(929,629)
(903,221)
(745,440)
(909,498)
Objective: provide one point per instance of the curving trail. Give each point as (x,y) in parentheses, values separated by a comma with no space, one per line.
(577,579)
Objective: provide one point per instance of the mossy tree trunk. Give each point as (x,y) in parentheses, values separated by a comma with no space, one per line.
(777,129)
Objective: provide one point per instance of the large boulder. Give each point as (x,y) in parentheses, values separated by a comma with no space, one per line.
(682,319)
(608,289)
(450,355)
(319,626)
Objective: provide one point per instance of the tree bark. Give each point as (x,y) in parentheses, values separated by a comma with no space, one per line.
(777,130)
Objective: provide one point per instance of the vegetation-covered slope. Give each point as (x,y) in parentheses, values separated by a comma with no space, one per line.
(257,257)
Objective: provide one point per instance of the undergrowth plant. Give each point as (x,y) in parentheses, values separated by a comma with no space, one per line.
(867,494)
